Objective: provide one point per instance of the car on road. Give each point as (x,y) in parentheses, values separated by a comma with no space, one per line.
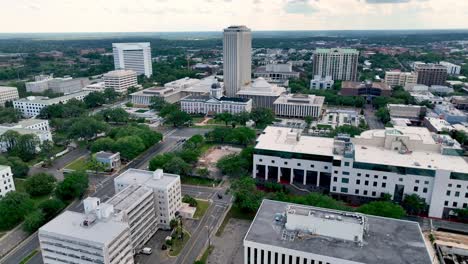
(147,251)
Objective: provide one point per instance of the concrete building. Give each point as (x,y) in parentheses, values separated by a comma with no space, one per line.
(93,237)
(40,84)
(420,97)
(109,159)
(452,69)
(299,105)
(8,94)
(398,78)
(437,125)
(120,80)
(338,117)
(136,205)
(286,233)
(166,187)
(39,128)
(431,74)
(262,93)
(450,113)
(417,88)
(396,161)
(321,83)
(67,85)
(340,64)
(366,89)
(237,56)
(411,112)
(31,106)
(440,89)
(460,102)
(133,56)
(182,84)
(276,73)
(95,87)
(6,180)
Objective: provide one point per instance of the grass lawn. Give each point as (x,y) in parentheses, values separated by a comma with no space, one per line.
(178,245)
(202,206)
(197,119)
(28,257)
(204,257)
(79,164)
(234,212)
(217,122)
(198,181)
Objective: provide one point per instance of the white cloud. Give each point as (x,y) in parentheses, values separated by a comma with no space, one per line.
(214,15)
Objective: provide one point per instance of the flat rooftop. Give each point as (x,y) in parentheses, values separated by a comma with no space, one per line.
(128,197)
(389,241)
(50,101)
(284,139)
(69,224)
(144,177)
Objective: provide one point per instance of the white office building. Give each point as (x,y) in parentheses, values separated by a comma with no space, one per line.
(321,83)
(37,127)
(237,55)
(136,205)
(277,73)
(120,80)
(92,237)
(40,84)
(299,105)
(340,64)
(396,161)
(6,180)
(398,78)
(452,69)
(31,106)
(133,56)
(67,85)
(8,94)
(285,233)
(95,87)
(166,187)
(262,93)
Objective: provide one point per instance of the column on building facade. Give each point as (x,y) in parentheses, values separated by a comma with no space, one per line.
(279,173)
(305,177)
(266,172)
(318,178)
(291,175)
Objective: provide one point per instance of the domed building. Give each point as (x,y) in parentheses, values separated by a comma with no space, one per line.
(262,93)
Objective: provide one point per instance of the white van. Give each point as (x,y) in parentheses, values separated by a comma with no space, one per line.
(146,251)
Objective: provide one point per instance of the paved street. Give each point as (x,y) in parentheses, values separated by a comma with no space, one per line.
(60,163)
(371,119)
(105,189)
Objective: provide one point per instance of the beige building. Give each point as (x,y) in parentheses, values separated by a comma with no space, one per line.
(340,64)
(120,80)
(398,78)
(298,105)
(8,94)
(262,93)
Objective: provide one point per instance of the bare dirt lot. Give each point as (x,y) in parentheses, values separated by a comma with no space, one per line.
(228,248)
(211,157)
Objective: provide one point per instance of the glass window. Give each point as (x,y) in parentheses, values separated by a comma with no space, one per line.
(345,172)
(346,163)
(344,190)
(415,188)
(448,193)
(344,180)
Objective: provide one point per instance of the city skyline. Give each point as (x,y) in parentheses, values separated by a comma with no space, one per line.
(177,16)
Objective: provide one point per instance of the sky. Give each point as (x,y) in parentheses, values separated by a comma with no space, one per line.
(36,16)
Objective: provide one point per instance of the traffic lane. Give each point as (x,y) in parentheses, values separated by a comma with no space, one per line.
(18,255)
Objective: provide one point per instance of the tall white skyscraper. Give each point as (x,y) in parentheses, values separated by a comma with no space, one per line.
(133,56)
(237,51)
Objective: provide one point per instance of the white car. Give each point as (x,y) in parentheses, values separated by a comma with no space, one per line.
(147,251)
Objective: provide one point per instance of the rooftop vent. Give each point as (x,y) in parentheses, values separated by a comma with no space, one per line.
(158,174)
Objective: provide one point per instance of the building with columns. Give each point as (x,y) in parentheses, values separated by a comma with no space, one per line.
(396,161)
(262,93)
(298,105)
(286,233)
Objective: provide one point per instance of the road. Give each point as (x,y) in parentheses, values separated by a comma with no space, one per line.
(371,119)
(105,189)
(60,163)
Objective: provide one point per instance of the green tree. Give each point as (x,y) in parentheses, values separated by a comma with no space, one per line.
(129,147)
(308,120)
(157,103)
(177,165)
(103,144)
(96,166)
(34,221)
(94,99)
(413,204)
(383,114)
(51,208)
(158,161)
(262,117)
(9,115)
(225,117)
(203,172)
(14,207)
(110,95)
(115,115)
(40,184)
(19,168)
(383,208)
(189,155)
(242,118)
(87,128)
(73,186)
(246,195)
(178,118)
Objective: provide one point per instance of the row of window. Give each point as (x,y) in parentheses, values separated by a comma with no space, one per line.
(455,204)
(258,256)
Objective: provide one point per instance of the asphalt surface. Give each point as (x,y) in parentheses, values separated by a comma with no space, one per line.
(371,119)
(105,189)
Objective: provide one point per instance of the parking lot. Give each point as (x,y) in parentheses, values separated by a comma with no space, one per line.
(228,249)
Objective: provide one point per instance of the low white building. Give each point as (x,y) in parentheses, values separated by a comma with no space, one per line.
(396,161)
(420,97)
(8,94)
(285,233)
(299,105)
(92,237)
(262,93)
(452,69)
(166,187)
(109,159)
(39,128)
(6,180)
(40,84)
(338,117)
(413,112)
(120,80)
(440,89)
(31,106)
(67,85)
(321,83)
(95,87)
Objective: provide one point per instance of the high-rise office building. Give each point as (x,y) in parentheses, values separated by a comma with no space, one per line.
(340,64)
(431,74)
(133,56)
(237,52)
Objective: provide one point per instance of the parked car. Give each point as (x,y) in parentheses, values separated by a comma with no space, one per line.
(147,251)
